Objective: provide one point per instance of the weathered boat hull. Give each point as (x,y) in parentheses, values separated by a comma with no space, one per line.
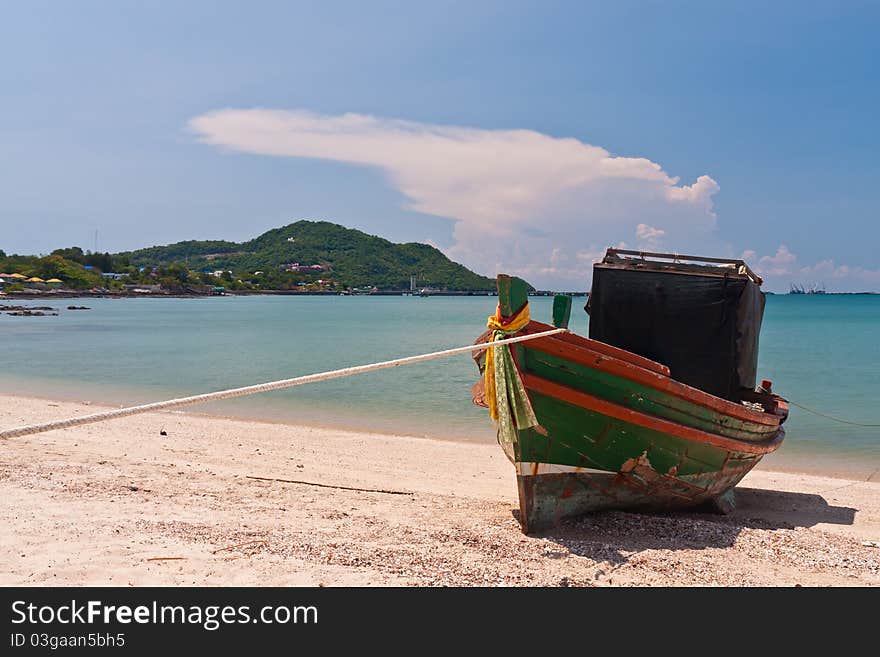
(593,459)
(616,432)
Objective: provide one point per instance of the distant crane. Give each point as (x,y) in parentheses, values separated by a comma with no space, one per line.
(815,288)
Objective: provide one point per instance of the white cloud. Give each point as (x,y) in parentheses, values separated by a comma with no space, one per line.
(522,201)
(649,238)
(646,232)
(778,264)
(700,192)
(783,269)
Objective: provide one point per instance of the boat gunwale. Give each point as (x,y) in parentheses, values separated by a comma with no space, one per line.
(661,383)
(603,348)
(677,272)
(611,351)
(649,400)
(610,409)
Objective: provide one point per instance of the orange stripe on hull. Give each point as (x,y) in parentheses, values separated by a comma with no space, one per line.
(591,403)
(597,355)
(603,349)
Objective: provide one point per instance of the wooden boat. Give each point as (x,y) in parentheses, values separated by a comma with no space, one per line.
(614,429)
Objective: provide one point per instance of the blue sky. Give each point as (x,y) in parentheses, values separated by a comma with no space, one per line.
(523,136)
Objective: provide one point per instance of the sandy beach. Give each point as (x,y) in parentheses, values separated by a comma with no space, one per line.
(117,503)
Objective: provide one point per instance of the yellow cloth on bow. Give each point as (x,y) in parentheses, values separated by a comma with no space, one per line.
(499,331)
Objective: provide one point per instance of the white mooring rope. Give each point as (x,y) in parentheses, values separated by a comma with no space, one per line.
(261,387)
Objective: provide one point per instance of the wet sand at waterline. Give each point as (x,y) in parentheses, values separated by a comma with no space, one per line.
(117,503)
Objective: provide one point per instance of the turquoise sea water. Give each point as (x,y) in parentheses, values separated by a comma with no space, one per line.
(821,351)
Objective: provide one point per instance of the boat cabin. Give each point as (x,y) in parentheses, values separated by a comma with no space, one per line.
(699,316)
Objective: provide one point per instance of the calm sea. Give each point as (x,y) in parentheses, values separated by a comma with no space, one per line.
(821,351)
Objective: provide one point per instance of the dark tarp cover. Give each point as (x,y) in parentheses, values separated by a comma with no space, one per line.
(703,327)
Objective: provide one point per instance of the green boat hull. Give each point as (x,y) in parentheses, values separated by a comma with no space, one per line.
(639,396)
(615,432)
(589,462)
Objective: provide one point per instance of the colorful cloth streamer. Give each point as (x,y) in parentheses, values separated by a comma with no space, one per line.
(509,405)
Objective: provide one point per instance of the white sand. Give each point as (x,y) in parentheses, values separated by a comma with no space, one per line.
(93,505)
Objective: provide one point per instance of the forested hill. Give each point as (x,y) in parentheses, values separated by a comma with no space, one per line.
(351,257)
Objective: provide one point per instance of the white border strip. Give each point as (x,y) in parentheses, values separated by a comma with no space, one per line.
(530,469)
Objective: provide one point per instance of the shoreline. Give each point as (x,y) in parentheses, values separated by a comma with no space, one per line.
(837,472)
(101,405)
(239,502)
(74,294)
(77,294)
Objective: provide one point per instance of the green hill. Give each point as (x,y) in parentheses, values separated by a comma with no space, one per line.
(351,257)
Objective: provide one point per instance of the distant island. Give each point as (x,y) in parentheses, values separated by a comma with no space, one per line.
(302,257)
